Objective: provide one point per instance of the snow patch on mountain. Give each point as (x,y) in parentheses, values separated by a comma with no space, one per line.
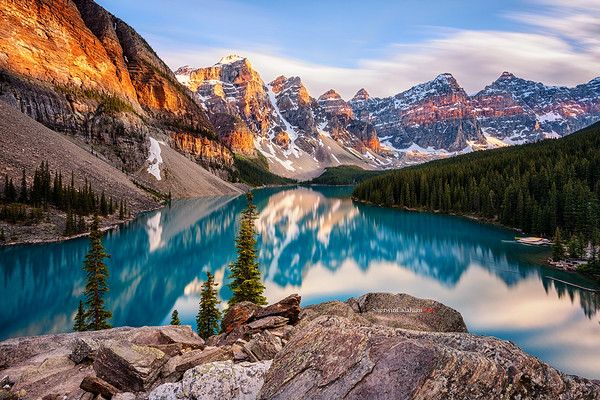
(293,135)
(155,159)
(230,59)
(549,117)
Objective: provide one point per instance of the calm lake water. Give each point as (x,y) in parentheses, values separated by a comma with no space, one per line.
(315,242)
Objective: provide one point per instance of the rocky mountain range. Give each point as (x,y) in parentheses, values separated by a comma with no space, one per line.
(79,70)
(439,117)
(297,133)
(431,120)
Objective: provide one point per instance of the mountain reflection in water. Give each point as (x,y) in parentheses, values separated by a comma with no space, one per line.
(316,242)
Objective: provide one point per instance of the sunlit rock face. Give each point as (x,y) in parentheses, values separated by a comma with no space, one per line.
(232,86)
(76,68)
(234,133)
(286,122)
(333,103)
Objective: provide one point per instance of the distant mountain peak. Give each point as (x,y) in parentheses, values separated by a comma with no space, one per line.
(447,78)
(331,94)
(506,75)
(361,95)
(231,59)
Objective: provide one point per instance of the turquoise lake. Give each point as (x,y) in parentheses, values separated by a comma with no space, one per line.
(318,243)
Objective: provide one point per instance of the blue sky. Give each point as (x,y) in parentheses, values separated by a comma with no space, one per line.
(384,46)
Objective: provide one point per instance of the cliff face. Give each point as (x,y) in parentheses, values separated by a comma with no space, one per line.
(518,110)
(77,69)
(436,114)
(439,117)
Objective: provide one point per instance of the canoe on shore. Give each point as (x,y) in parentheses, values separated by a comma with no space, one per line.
(533,240)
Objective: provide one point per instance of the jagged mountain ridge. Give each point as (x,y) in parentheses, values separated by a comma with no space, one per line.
(438,117)
(78,69)
(533,110)
(297,134)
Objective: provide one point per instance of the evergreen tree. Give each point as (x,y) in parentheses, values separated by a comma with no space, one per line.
(207,320)
(80,325)
(23,195)
(245,271)
(97,274)
(121,211)
(2,235)
(175,318)
(111,206)
(103,205)
(70,223)
(10,193)
(81,225)
(558,249)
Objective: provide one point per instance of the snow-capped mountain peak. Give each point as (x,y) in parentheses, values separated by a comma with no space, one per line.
(230,59)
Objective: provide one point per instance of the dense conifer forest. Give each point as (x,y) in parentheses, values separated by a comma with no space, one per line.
(29,204)
(536,187)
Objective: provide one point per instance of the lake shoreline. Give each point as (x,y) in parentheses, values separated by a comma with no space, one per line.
(555,265)
(107,224)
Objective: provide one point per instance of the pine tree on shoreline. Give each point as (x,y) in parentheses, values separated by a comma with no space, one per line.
(96,285)
(175,318)
(207,320)
(245,271)
(80,325)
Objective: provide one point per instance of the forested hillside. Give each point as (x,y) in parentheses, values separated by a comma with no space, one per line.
(536,187)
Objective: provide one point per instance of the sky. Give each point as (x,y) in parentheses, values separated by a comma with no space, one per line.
(384,46)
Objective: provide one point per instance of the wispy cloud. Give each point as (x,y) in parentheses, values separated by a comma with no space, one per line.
(558,45)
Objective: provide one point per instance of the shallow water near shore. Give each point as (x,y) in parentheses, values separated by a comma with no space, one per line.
(315,242)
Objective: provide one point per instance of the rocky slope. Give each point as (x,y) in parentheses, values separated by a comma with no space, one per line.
(378,346)
(438,118)
(26,143)
(299,135)
(77,69)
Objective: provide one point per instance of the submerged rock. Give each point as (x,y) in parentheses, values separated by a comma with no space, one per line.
(221,380)
(333,357)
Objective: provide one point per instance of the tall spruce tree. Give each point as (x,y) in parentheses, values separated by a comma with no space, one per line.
(103,205)
(207,320)
(175,318)
(97,274)
(80,325)
(23,194)
(558,248)
(245,271)
(69,223)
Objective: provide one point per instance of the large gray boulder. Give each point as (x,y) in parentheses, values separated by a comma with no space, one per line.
(174,369)
(129,367)
(332,357)
(221,380)
(393,310)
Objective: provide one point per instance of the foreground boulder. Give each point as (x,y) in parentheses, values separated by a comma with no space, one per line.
(332,357)
(222,380)
(127,366)
(393,310)
(245,319)
(54,366)
(245,312)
